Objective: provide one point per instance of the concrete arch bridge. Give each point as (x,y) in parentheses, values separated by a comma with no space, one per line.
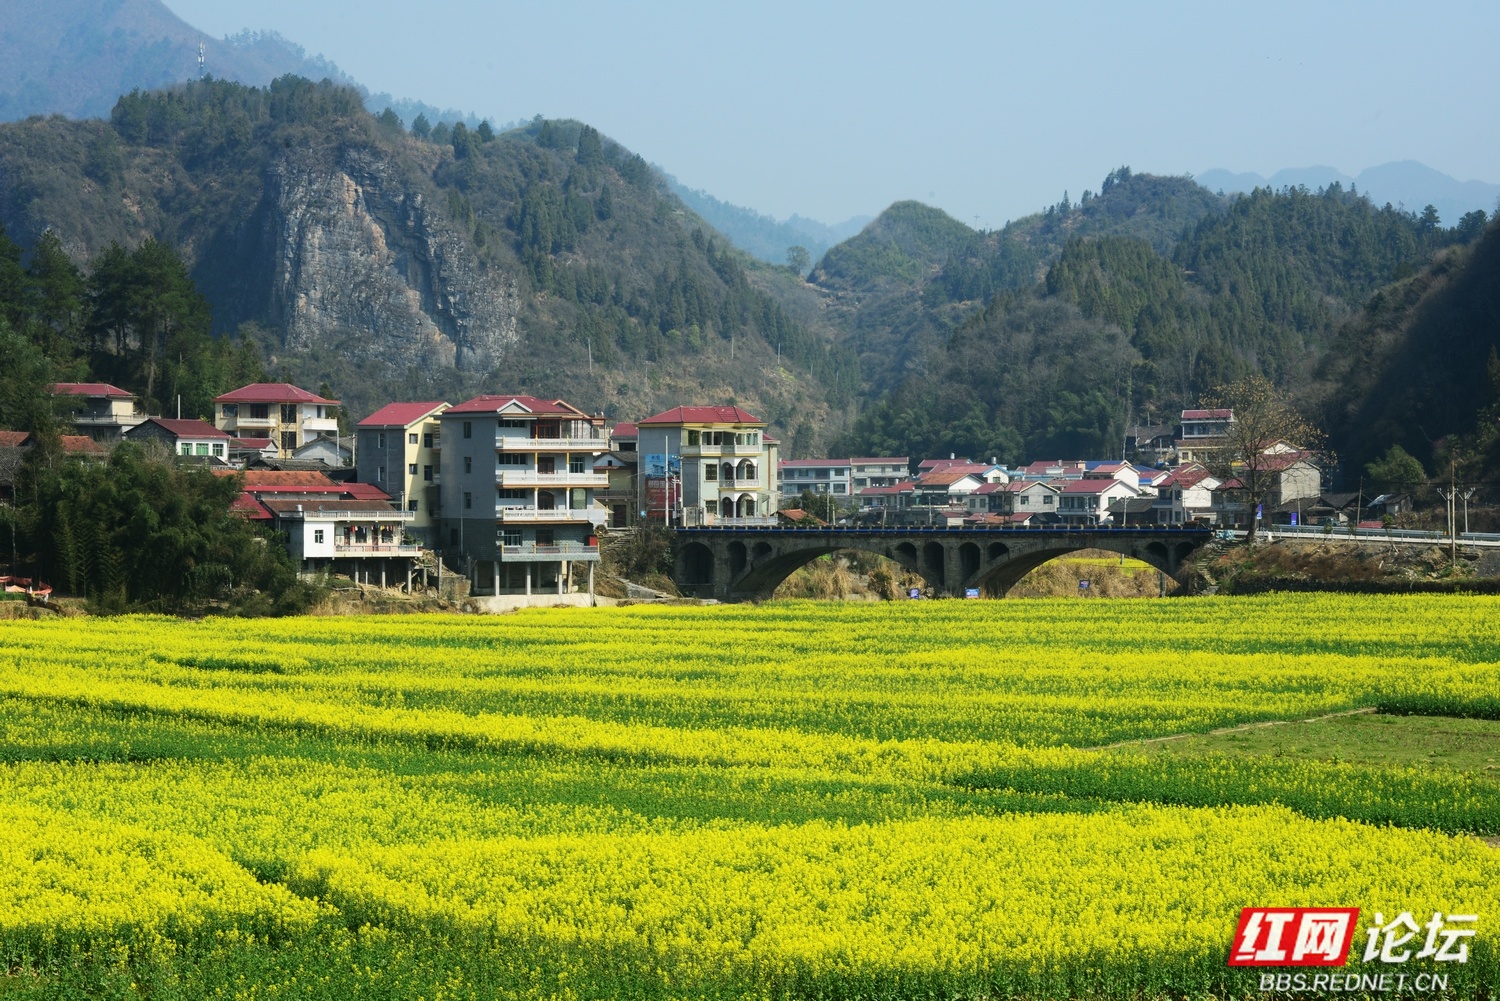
(747,564)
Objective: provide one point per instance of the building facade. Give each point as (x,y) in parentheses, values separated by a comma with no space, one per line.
(97,409)
(289,416)
(518,485)
(399,449)
(707,466)
(195,438)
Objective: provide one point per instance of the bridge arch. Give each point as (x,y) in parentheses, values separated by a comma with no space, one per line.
(739,564)
(996,580)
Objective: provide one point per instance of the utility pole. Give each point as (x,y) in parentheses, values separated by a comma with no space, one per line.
(1467,494)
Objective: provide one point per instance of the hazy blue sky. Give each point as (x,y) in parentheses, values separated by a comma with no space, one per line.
(989,111)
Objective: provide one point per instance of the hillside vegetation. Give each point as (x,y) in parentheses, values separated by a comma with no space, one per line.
(546,259)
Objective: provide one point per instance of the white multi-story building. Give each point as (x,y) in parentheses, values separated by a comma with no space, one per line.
(289,416)
(400,449)
(707,465)
(518,484)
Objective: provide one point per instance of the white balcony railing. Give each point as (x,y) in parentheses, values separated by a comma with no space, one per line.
(319,424)
(531,478)
(514,444)
(533,514)
(554,551)
(722,449)
(376,549)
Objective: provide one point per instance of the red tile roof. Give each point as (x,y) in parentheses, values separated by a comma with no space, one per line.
(401,415)
(493,404)
(1208,415)
(891,488)
(187,428)
(259,443)
(249,507)
(703,415)
(950,474)
(78,444)
(814,463)
(14,439)
(89,389)
(889,460)
(927,465)
(625,429)
(269,480)
(365,491)
(272,392)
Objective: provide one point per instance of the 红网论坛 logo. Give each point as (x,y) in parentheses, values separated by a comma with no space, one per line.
(1322,936)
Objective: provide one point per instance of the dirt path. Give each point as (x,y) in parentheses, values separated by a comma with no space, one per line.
(1228,729)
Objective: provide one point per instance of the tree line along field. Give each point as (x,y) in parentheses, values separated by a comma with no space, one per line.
(789,800)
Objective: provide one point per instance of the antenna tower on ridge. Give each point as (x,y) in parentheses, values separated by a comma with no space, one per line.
(201,70)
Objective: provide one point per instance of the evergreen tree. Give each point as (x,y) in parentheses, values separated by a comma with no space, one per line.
(421,127)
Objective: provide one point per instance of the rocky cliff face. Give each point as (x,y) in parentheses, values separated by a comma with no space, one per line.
(361,262)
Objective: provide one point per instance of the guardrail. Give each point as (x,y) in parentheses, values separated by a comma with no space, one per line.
(531,478)
(559,550)
(554,514)
(505,443)
(372,549)
(1409,536)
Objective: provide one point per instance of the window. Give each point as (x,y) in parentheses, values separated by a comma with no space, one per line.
(575,463)
(260,411)
(711,472)
(839,488)
(288,440)
(411,505)
(1047,500)
(468,463)
(201,448)
(411,439)
(411,469)
(379,474)
(468,500)
(511,422)
(544,537)
(380,439)
(219,449)
(468,429)
(510,459)
(427,441)
(289,413)
(513,493)
(317,536)
(694,437)
(230,410)
(510,536)
(427,474)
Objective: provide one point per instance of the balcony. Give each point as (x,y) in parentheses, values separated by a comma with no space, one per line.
(515,444)
(318,425)
(536,552)
(723,449)
(512,515)
(532,478)
(375,549)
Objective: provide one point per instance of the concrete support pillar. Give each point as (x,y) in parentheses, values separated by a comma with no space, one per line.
(562,569)
(528,580)
(408,576)
(591,583)
(496,565)
(382,575)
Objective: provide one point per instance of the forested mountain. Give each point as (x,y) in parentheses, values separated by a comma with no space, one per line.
(1405,184)
(76,57)
(915,273)
(1419,367)
(1119,332)
(547,259)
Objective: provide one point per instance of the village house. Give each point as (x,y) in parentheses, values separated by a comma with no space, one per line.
(187,438)
(15,444)
(621,495)
(1201,438)
(518,493)
(1185,495)
(97,409)
(707,465)
(289,416)
(1018,497)
(400,449)
(1086,501)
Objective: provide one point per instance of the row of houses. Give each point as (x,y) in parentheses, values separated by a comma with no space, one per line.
(512,488)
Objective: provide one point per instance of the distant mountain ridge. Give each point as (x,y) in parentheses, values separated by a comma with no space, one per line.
(761,235)
(1406,184)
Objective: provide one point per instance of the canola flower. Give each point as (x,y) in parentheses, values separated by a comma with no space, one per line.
(785,800)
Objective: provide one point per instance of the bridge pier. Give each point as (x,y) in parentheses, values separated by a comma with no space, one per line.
(747,564)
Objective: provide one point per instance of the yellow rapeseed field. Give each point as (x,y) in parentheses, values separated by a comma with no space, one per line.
(928,798)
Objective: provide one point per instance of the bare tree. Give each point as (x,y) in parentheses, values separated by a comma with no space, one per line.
(1253,447)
